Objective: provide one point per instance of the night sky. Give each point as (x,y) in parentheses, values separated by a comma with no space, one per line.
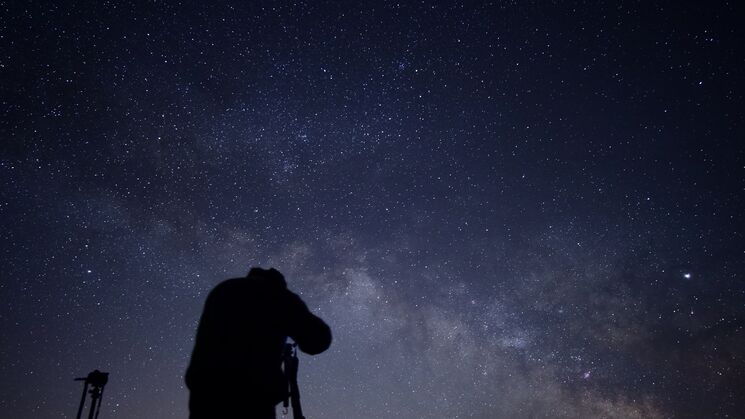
(512,210)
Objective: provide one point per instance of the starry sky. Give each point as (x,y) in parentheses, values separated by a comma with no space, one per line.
(514,209)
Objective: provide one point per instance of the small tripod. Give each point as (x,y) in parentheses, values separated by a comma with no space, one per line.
(97,380)
(289,358)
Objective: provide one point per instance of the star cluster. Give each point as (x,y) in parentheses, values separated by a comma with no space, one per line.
(511,209)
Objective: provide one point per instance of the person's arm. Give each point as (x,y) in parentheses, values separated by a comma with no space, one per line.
(312,334)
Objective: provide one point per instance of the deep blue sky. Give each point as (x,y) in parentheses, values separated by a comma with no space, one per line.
(520,209)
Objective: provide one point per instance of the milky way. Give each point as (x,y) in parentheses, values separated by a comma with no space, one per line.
(512,210)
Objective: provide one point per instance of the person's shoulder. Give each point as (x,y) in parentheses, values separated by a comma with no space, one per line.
(232,281)
(228,285)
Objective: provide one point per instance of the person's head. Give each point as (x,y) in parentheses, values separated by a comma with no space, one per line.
(270,275)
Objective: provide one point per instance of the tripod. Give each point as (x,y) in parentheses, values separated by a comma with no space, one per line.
(97,380)
(289,358)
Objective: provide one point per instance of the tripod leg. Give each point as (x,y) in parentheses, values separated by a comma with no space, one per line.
(100,399)
(94,402)
(82,400)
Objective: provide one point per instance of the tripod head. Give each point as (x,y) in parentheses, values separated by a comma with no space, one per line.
(95,378)
(290,352)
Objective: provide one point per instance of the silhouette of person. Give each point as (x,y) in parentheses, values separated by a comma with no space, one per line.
(235,366)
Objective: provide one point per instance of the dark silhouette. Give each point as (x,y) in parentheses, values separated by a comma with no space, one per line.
(235,366)
(290,363)
(97,381)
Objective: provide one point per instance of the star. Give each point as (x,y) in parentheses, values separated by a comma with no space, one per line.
(468,209)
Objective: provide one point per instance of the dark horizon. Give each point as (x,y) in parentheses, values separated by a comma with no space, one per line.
(516,209)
